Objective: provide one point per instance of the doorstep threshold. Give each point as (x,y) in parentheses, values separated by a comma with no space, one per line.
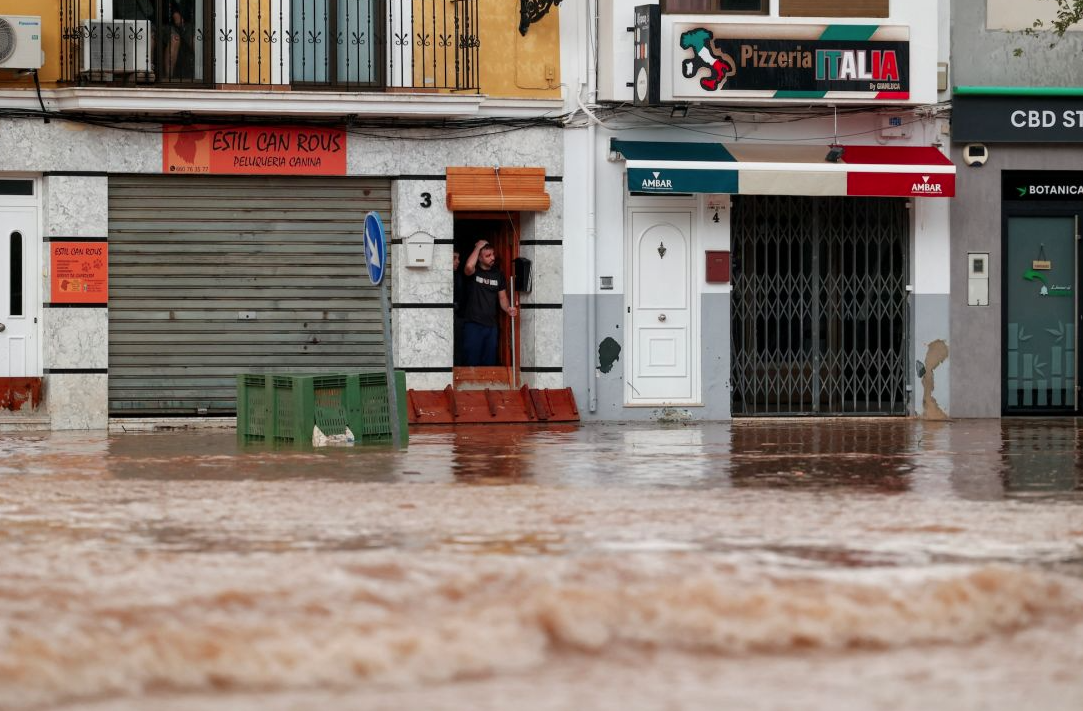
(25,423)
(170,424)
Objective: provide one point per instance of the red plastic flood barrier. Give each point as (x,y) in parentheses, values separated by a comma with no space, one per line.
(448,406)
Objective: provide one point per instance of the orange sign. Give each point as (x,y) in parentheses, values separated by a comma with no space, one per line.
(253,150)
(79,272)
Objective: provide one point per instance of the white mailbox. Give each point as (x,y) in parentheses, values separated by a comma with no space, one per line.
(978,279)
(418,250)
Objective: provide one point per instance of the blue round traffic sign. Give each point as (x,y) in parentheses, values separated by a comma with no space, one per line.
(375,247)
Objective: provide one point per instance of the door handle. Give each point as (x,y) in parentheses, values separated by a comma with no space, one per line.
(3,327)
(661,317)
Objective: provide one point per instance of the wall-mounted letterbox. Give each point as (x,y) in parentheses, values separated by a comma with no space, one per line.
(718,267)
(418,250)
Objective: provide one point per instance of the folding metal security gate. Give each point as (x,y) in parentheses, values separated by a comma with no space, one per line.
(820,307)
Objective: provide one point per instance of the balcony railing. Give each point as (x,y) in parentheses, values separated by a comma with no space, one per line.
(340,45)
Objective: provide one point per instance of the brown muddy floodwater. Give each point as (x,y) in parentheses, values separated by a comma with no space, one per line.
(873,564)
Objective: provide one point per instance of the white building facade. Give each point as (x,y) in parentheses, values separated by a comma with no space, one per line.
(757,210)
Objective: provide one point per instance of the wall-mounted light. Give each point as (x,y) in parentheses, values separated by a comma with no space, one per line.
(531,11)
(834,155)
(679,111)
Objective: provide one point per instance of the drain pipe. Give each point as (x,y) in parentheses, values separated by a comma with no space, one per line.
(592,220)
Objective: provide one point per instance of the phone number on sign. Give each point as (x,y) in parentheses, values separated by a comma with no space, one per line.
(189,169)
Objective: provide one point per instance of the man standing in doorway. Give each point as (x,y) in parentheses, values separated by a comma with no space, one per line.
(488,288)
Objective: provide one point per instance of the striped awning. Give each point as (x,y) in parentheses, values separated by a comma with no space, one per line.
(886,171)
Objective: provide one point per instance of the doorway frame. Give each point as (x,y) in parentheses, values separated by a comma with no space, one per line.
(34,291)
(510,225)
(1008,210)
(678,204)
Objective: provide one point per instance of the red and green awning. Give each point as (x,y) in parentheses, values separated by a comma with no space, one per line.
(887,171)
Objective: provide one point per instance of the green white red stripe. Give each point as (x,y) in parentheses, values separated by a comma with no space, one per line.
(886,171)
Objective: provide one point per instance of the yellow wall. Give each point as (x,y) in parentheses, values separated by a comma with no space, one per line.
(49,10)
(513,65)
(251,70)
(510,65)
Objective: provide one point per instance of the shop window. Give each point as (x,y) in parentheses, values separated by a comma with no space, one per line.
(16,264)
(333,42)
(148,41)
(17,187)
(833,8)
(726,7)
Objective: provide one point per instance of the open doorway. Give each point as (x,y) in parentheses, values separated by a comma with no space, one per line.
(501,230)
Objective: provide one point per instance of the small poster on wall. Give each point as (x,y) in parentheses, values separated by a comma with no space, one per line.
(79,272)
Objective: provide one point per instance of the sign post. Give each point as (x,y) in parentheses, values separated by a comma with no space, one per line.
(376,261)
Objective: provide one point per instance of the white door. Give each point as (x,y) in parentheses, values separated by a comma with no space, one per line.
(661,308)
(18,295)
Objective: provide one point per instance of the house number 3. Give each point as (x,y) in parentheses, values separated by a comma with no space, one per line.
(426,199)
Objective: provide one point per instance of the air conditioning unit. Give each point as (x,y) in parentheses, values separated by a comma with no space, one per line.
(116,46)
(20,42)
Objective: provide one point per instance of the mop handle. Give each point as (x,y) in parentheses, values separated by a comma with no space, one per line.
(514,371)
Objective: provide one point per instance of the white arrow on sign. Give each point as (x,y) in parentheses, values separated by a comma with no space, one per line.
(374,252)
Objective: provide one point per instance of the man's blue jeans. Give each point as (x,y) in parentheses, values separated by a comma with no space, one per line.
(479,344)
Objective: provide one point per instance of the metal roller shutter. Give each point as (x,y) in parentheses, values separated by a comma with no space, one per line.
(214,276)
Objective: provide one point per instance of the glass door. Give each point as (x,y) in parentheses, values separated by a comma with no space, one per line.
(1041,313)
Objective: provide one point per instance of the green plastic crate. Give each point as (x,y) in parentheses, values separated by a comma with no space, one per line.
(282,409)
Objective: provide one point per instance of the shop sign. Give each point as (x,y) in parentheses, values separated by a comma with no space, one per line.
(253,150)
(79,272)
(1047,288)
(1042,186)
(646,66)
(912,184)
(726,61)
(646,180)
(1007,119)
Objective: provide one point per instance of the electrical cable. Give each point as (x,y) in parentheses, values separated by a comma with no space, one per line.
(374,127)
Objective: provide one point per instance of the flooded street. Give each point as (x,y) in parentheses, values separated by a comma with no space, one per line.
(846,564)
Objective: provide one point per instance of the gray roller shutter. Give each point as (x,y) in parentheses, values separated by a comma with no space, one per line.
(214,276)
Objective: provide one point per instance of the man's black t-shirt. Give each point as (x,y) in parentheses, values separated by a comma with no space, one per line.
(481,300)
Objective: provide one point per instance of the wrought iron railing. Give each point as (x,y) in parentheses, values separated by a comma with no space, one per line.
(342,45)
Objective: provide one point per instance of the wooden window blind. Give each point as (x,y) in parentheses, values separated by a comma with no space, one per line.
(492,189)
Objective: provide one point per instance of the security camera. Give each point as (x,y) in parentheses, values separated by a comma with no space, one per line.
(975,154)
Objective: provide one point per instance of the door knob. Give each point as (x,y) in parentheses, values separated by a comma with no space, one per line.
(3,327)
(661,317)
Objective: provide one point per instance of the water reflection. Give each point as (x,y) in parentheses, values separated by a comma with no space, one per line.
(873,455)
(1041,456)
(502,454)
(969,459)
(216,455)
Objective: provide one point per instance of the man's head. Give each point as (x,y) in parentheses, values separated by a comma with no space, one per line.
(455,261)
(487,257)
